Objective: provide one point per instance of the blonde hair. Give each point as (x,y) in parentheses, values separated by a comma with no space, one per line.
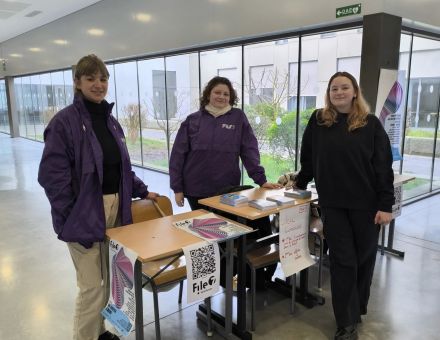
(89,65)
(357,117)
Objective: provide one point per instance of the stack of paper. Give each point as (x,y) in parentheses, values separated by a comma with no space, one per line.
(281,200)
(262,204)
(233,199)
(298,193)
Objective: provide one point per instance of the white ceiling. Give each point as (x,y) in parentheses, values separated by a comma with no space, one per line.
(14,20)
(118,29)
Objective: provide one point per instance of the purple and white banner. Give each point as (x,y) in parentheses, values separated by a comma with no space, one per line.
(121,307)
(389,107)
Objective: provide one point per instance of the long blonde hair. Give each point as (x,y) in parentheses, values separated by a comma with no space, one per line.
(357,117)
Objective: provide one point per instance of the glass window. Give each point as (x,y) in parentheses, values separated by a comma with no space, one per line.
(4,119)
(309,89)
(267,89)
(261,82)
(37,107)
(422,111)
(26,88)
(19,105)
(68,87)
(215,62)
(111,93)
(57,98)
(351,65)
(46,98)
(186,90)
(154,122)
(436,171)
(128,113)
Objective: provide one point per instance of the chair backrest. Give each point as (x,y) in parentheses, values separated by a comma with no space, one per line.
(144,210)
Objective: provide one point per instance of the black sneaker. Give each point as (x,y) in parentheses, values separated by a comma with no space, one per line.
(108,336)
(346,333)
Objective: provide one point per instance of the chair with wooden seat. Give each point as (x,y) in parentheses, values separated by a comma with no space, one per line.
(161,273)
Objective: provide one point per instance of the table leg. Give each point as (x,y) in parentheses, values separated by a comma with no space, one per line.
(224,324)
(389,248)
(241,284)
(139,325)
(391,234)
(303,296)
(229,264)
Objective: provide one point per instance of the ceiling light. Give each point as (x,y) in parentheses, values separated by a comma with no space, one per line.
(96,32)
(143,17)
(16,55)
(34,49)
(60,42)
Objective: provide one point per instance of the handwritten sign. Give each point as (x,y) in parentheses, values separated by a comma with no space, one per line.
(294,246)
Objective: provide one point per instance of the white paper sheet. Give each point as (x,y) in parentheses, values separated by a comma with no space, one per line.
(294,239)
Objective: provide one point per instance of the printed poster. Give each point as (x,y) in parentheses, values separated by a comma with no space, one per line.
(121,307)
(397,207)
(202,270)
(389,107)
(211,228)
(294,239)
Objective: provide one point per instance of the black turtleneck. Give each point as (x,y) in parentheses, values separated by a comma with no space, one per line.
(110,150)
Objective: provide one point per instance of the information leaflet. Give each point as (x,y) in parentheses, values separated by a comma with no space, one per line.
(121,307)
(202,270)
(397,207)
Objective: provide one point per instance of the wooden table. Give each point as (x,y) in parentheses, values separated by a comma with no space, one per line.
(157,239)
(398,179)
(246,212)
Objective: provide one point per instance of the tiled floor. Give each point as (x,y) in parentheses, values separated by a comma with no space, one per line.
(37,280)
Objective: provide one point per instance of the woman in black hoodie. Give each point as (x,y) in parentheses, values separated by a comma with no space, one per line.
(347,152)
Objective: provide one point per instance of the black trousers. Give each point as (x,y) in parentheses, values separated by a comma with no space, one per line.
(193,202)
(352,239)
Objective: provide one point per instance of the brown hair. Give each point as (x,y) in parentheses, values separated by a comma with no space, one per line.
(356,118)
(89,65)
(204,99)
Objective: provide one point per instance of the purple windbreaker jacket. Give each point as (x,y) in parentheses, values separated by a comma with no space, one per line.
(71,172)
(206,152)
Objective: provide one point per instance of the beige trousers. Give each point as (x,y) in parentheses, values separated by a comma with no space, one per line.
(92,278)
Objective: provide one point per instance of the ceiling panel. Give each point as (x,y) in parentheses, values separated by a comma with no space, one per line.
(6,14)
(14,18)
(13,6)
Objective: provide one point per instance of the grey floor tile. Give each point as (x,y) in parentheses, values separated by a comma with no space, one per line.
(37,279)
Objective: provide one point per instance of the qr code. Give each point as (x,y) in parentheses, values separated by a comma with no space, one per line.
(203,261)
(398,194)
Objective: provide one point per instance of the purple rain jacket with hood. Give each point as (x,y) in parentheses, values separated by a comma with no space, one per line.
(71,172)
(206,152)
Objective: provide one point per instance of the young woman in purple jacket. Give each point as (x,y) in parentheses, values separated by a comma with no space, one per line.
(86,173)
(209,144)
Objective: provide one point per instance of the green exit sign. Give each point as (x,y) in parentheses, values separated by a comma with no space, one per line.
(348,10)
